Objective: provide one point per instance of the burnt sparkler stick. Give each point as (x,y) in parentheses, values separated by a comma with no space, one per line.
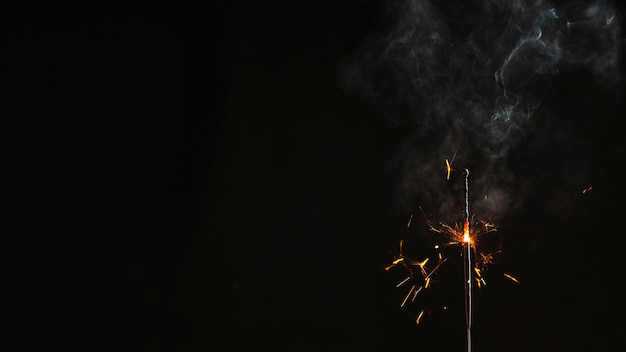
(468,266)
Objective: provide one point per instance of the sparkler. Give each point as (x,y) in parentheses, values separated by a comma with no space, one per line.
(465,235)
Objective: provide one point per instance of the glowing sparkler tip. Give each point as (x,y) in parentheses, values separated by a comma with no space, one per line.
(466,235)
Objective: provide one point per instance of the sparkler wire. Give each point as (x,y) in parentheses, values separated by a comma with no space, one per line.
(468,266)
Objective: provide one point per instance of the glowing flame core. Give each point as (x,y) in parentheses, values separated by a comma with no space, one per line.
(466,235)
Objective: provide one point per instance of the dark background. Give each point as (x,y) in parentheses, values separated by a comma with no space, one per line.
(192,177)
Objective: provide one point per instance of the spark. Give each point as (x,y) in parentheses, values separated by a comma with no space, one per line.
(449,168)
(587,189)
(421,265)
(511,278)
(403,281)
(419,317)
(394,263)
(416,292)
(407,296)
(487,258)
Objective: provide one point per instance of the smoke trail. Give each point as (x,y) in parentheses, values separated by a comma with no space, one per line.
(469,75)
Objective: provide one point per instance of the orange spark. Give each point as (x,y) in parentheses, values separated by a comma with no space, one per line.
(466,236)
(416,292)
(587,189)
(394,263)
(449,168)
(411,291)
(480,281)
(407,296)
(477,272)
(419,317)
(487,259)
(511,278)
(421,265)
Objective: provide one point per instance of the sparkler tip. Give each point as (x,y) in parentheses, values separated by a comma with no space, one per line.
(466,233)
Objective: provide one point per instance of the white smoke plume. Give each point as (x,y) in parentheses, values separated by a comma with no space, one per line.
(469,76)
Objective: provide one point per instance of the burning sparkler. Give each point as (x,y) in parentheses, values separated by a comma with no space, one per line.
(466,235)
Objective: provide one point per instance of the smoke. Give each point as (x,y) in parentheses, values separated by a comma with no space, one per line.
(468,76)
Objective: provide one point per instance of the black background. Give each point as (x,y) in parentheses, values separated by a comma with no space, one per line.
(192,177)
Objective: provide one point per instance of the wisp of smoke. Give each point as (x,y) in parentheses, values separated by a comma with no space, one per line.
(468,75)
